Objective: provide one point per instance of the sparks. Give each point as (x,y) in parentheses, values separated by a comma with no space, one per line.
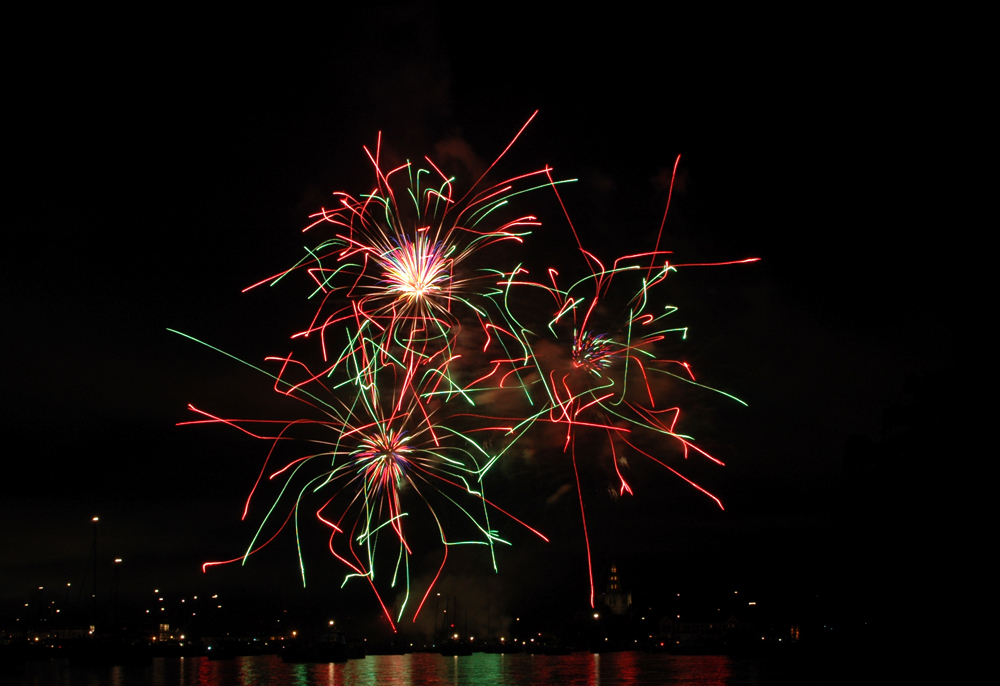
(418,328)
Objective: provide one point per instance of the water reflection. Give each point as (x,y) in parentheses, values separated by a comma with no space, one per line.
(418,669)
(702,670)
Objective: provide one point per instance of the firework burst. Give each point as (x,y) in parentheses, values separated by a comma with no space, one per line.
(399,266)
(379,460)
(396,274)
(598,372)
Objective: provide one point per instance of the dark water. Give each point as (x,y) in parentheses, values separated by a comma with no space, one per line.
(579,669)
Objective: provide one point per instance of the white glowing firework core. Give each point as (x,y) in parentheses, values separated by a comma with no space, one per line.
(415,270)
(381,455)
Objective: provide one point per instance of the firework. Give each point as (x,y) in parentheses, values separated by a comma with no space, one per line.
(389,456)
(599,372)
(378,460)
(398,266)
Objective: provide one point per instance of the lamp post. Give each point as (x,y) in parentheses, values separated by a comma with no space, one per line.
(93,608)
(114,593)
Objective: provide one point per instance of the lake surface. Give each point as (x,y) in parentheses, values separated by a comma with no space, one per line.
(422,669)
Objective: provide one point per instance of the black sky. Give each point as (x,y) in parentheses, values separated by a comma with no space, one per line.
(160,172)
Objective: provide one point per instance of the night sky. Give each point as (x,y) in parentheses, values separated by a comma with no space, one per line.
(159,173)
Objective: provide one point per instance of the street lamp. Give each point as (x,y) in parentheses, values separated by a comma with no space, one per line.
(114,591)
(93,610)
